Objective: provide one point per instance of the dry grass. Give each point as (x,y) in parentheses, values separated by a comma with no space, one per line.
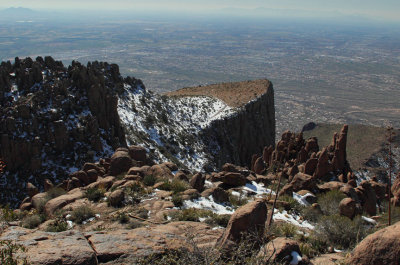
(233,94)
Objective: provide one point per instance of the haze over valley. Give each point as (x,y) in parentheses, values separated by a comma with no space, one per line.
(321,71)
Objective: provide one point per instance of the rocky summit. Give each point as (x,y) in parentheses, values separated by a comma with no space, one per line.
(54,119)
(102,171)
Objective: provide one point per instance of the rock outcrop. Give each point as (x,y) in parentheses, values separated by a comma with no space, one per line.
(381,247)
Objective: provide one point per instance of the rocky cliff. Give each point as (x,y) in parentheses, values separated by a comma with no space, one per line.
(54,119)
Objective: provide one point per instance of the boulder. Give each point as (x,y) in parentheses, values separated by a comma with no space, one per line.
(160,171)
(197,182)
(104,183)
(249,218)
(280,250)
(120,162)
(347,207)
(141,171)
(92,176)
(232,179)
(331,185)
(137,153)
(116,198)
(69,247)
(59,202)
(323,166)
(381,247)
(303,182)
(47,185)
(259,167)
(310,166)
(38,200)
(31,189)
(171,166)
(219,195)
(367,196)
(81,176)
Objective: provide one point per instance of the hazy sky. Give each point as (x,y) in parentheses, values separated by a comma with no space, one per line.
(381,9)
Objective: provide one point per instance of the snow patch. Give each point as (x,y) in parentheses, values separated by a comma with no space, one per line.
(292,218)
(208,204)
(296,258)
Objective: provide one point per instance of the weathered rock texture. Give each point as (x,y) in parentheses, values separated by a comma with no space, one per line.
(53,119)
(379,248)
(246,132)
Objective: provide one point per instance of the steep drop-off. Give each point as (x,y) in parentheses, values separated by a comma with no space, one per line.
(54,119)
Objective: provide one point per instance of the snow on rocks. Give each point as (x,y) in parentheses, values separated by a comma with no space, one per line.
(163,123)
(292,218)
(296,258)
(208,204)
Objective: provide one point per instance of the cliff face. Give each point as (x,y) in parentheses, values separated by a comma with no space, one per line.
(246,132)
(53,119)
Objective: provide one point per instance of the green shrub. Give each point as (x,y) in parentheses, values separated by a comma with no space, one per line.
(7,214)
(191,214)
(175,185)
(123,218)
(218,219)
(32,221)
(149,180)
(94,194)
(142,213)
(177,200)
(54,193)
(284,229)
(58,225)
(8,251)
(294,205)
(311,214)
(135,224)
(81,214)
(340,231)
(329,202)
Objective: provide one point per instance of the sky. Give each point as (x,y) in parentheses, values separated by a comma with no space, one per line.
(374,9)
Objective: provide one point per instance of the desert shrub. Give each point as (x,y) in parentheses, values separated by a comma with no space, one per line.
(123,218)
(191,214)
(175,185)
(308,250)
(54,193)
(121,176)
(284,229)
(135,224)
(94,194)
(218,219)
(8,251)
(341,231)
(310,214)
(40,205)
(294,205)
(395,214)
(58,225)
(329,201)
(177,200)
(81,214)
(32,221)
(149,180)
(7,214)
(142,213)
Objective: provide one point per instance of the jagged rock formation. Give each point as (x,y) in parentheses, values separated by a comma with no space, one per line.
(54,119)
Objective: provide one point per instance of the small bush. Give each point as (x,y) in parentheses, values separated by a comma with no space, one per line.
(54,193)
(311,214)
(340,231)
(177,200)
(330,201)
(135,224)
(123,218)
(191,214)
(219,219)
(284,229)
(175,185)
(81,214)
(32,221)
(142,213)
(58,225)
(294,205)
(94,194)
(8,251)
(149,180)
(7,214)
